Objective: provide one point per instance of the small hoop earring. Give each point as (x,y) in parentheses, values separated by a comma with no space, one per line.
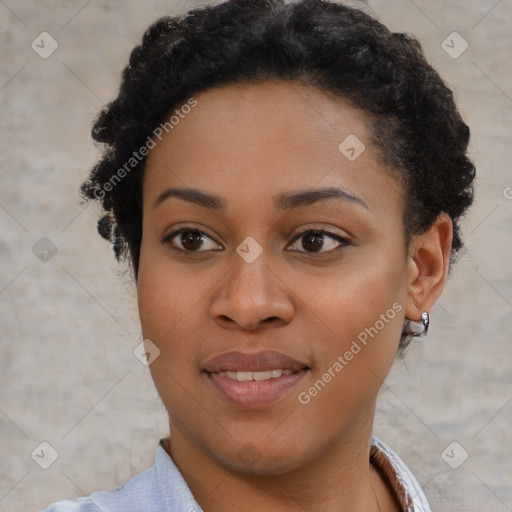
(425,320)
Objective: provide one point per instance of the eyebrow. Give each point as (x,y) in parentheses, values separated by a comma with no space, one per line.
(284,201)
(290,200)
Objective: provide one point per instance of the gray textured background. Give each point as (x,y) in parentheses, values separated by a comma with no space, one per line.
(68,326)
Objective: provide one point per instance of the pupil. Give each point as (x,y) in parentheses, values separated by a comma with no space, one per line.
(191,237)
(310,239)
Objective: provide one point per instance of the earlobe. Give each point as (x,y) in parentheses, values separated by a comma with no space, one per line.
(428,262)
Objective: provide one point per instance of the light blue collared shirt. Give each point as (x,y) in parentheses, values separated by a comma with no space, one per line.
(162,488)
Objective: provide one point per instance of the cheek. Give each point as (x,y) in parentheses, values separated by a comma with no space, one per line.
(165,304)
(354,359)
(362,313)
(165,316)
(162,295)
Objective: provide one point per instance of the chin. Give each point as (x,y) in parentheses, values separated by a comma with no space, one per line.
(271,460)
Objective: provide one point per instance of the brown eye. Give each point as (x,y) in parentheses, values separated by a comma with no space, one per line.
(190,240)
(313,241)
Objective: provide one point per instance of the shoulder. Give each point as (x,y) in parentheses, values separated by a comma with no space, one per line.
(78,505)
(136,494)
(160,488)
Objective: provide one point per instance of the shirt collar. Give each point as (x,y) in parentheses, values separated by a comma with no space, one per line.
(176,494)
(399,477)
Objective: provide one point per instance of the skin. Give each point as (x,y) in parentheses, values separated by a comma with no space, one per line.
(247,144)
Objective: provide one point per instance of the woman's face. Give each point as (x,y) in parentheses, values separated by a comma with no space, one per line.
(246,278)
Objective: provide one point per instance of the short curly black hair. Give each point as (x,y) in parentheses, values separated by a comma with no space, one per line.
(338,49)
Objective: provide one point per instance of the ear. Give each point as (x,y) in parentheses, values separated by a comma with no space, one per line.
(427,267)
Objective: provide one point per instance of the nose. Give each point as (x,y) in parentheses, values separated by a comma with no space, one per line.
(252,296)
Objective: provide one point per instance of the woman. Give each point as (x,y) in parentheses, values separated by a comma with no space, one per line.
(286,181)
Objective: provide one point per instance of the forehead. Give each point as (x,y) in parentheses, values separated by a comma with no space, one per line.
(261,139)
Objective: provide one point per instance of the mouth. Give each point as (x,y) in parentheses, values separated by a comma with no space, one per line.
(249,381)
(256,363)
(263,375)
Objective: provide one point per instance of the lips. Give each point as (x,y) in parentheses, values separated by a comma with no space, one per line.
(264,361)
(249,381)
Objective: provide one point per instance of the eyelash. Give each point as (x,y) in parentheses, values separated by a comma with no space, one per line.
(316,231)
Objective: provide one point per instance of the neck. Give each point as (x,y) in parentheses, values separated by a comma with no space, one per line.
(339,479)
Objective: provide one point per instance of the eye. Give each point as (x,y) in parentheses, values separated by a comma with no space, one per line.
(313,241)
(190,240)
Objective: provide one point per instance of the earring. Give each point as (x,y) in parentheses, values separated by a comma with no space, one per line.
(425,320)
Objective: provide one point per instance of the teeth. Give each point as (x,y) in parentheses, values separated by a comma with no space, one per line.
(261,375)
(246,376)
(243,376)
